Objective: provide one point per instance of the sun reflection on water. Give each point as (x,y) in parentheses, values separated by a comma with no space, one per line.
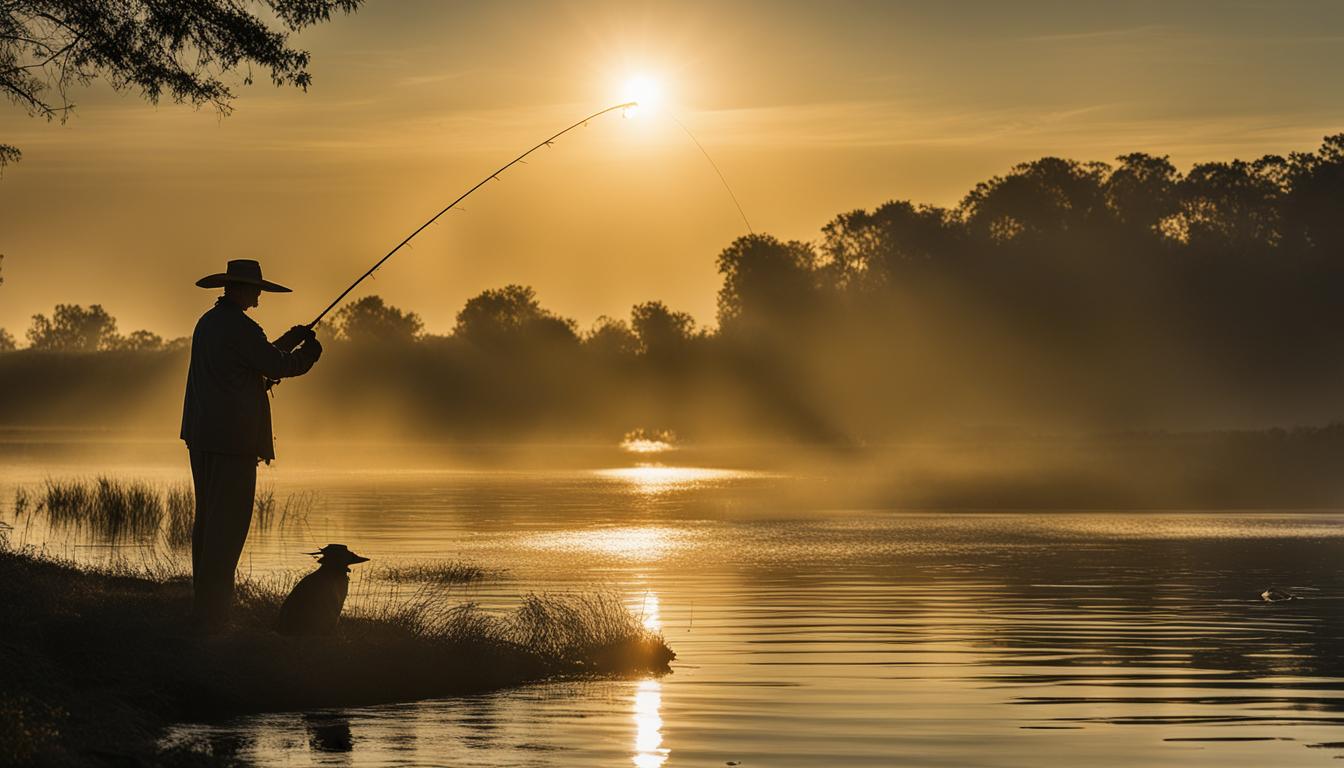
(654,479)
(640,543)
(648,613)
(649,749)
(643,441)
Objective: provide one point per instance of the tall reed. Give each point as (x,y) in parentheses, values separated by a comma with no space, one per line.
(113,509)
(120,510)
(267,514)
(180,502)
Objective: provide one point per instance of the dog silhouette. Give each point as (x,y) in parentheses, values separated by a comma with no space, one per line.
(314,605)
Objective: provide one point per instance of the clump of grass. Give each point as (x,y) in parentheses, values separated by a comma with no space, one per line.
(23,501)
(425,615)
(179,500)
(127,508)
(113,509)
(591,630)
(438,572)
(65,499)
(585,633)
(263,507)
(292,512)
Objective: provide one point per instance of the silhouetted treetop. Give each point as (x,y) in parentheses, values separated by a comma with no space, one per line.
(137,341)
(1231,206)
(1141,192)
(511,315)
(869,250)
(612,338)
(73,328)
(372,320)
(1312,203)
(1045,197)
(764,277)
(659,330)
(181,49)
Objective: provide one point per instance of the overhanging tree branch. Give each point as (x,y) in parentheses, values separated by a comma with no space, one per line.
(182,50)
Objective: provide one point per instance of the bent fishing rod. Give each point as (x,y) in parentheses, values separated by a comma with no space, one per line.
(492,177)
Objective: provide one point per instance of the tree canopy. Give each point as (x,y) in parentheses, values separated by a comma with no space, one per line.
(372,320)
(186,51)
(659,330)
(74,328)
(509,316)
(611,338)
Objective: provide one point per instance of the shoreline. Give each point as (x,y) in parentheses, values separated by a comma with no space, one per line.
(100,663)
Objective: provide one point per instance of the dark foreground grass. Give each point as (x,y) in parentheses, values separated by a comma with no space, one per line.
(96,664)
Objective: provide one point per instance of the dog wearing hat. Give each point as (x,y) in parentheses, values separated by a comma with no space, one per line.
(314,606)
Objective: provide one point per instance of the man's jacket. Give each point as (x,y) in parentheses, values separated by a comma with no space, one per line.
(226,409)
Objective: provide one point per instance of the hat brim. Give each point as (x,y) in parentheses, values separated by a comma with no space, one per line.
(221,279)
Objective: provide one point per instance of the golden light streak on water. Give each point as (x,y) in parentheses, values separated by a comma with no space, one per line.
(649,614)
(643,441)
(653,479)
(644,445)
(641,543)
(649,749)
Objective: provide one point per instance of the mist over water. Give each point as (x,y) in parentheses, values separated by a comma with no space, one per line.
(813,626)
(1030,460)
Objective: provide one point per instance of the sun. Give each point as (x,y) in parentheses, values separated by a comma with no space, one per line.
(643,89)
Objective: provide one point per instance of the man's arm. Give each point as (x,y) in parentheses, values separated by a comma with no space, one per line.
(276,363)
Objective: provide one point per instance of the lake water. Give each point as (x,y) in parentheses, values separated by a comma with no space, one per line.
(812,630)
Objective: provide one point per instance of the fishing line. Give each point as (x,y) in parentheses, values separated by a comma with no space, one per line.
(715,166)
(494,176)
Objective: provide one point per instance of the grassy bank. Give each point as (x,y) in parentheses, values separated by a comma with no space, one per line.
(96,663)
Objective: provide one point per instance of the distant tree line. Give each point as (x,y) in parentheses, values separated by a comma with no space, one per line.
(73,328)
(1061,293)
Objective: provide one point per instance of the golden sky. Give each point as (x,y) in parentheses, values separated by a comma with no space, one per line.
(809,108)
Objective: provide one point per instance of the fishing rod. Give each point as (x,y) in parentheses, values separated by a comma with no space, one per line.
(492,177)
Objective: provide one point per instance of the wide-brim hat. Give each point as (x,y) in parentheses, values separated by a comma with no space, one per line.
(244,271)
(338,551)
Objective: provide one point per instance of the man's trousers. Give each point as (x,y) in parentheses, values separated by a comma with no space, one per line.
(225,485)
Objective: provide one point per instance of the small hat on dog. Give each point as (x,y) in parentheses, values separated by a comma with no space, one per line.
(338,551)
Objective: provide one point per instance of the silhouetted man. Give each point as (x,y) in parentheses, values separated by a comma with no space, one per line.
(226,423)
